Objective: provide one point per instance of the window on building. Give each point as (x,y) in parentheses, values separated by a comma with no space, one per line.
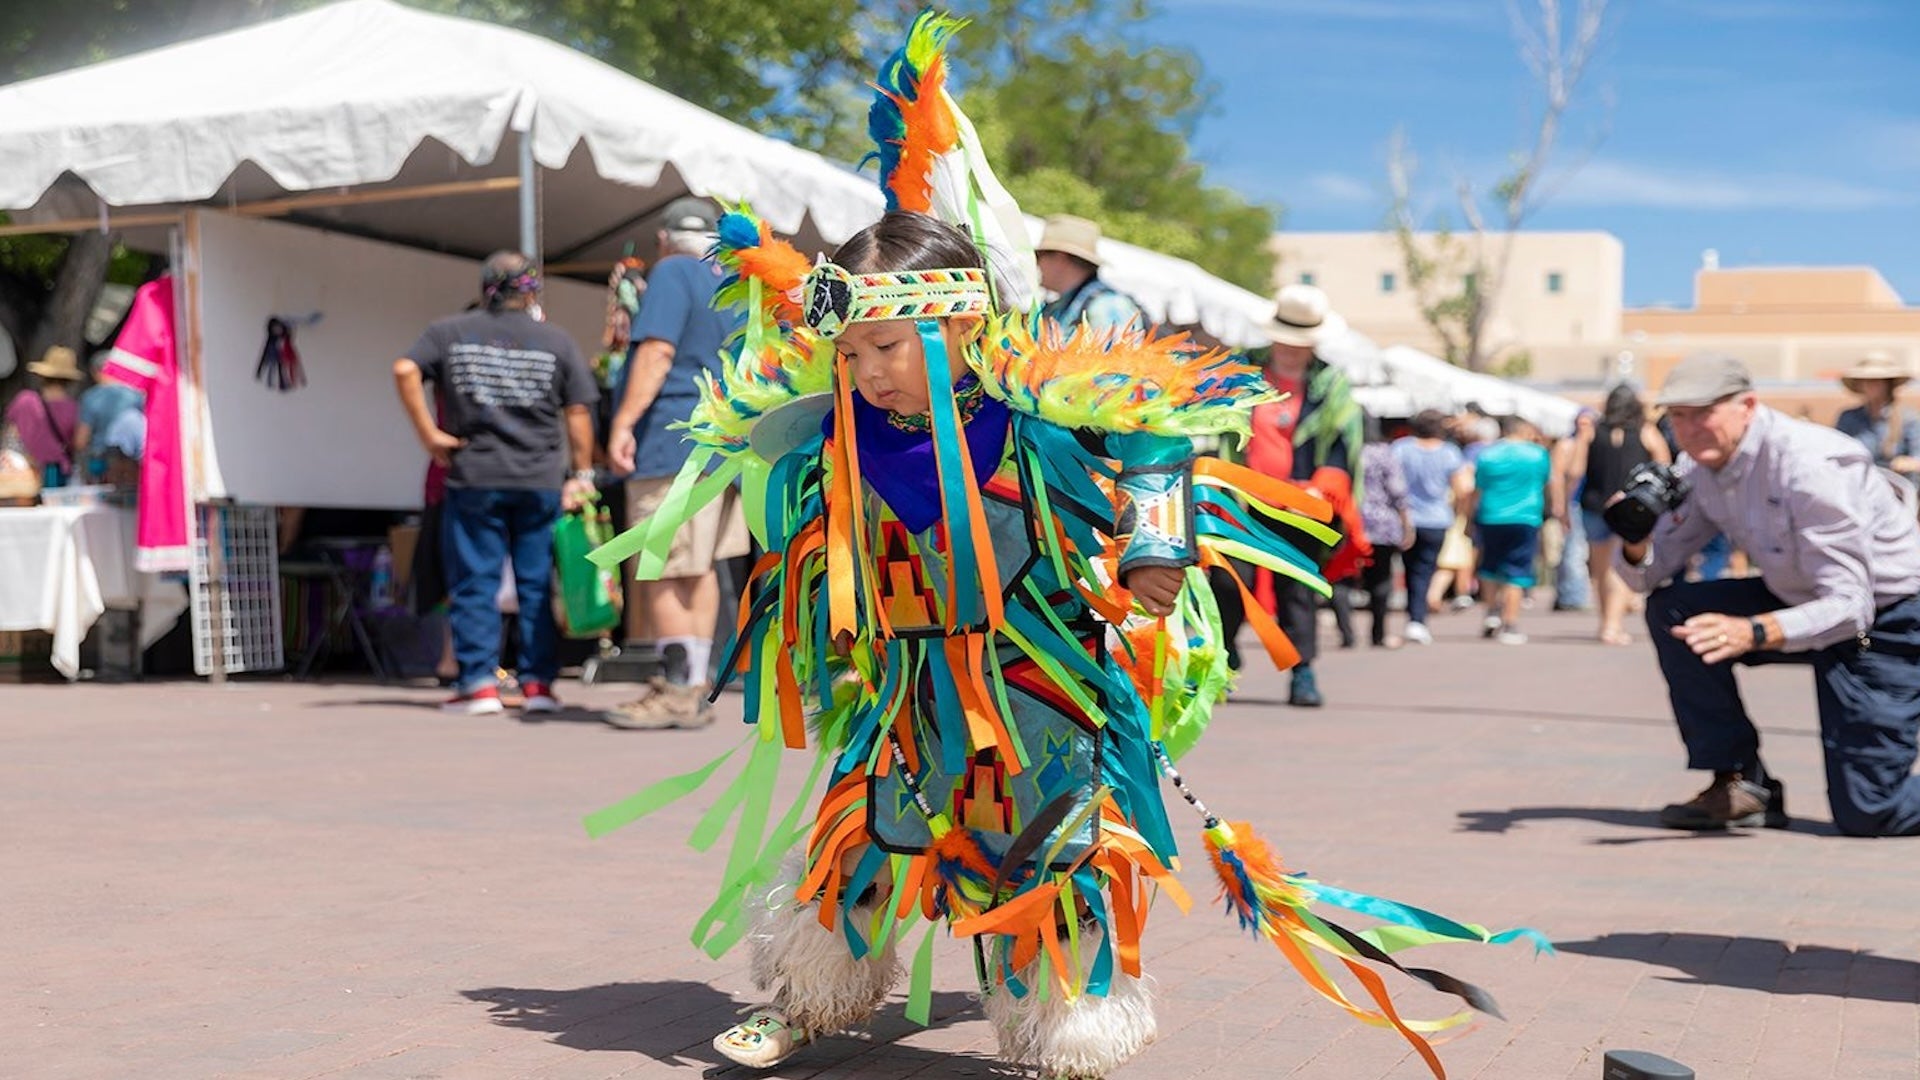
(1555,282)
(1306,277)
(1386,283)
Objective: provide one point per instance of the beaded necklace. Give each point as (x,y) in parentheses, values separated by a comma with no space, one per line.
(967,397)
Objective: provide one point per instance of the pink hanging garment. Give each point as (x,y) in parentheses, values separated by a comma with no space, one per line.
(144,358)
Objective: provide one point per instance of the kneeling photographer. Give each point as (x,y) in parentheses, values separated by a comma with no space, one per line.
(1839,565)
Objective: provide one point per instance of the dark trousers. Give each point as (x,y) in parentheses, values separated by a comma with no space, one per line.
(1869,701)
(481,529)
(1377,579)
(1297,609)
(1422,560)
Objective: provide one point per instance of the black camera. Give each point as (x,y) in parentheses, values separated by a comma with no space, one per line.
(1652,489)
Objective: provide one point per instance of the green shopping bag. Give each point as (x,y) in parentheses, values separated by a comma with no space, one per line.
(589,595)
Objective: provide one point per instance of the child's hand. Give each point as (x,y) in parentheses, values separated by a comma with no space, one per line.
(1156,588)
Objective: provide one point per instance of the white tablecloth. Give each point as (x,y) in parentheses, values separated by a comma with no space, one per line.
(60,567)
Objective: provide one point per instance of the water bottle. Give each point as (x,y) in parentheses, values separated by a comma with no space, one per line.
(380,583)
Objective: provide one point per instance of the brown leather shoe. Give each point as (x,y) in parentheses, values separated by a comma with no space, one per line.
(668,706)
(1730,802)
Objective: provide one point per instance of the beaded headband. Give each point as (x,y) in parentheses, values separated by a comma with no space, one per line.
(834,298)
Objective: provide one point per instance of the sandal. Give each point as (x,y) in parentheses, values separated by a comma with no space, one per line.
(763,1040)
(1615,637)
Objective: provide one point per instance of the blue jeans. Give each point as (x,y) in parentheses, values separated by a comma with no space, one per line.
(481,528)
(1715,557)
(1869,701)
(1421,559)
(1572,587)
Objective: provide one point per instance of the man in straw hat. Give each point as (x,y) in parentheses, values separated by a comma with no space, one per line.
(1068,256)
(1888,433)
(1839,588)
(1311,437)
(43,417)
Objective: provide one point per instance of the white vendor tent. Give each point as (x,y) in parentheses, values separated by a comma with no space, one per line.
(453,135)
(1400,380)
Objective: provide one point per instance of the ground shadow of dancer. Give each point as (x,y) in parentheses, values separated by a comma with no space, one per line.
(674,1022)
(1775,967)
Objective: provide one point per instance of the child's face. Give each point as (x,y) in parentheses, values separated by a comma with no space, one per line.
(889,363)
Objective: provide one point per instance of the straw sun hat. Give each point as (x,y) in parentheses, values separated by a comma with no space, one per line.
(59,363)
(1071,235)
(1875,365)
(1304,317)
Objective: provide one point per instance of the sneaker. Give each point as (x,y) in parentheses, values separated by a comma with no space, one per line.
(481,701)
(1730,802)
(763,1040)
(1460,603)
(1305,691)
(668,706)
(540,698)
(1509,636)
(1419,634)
(1489,626)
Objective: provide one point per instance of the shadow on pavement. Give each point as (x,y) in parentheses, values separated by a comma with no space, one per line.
(1749,963)
(674,1022)
(1502,821)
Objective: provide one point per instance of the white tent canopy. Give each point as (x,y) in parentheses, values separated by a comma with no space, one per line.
(377,97)
(1400,381)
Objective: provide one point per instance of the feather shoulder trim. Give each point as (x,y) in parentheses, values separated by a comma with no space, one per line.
(1120,380)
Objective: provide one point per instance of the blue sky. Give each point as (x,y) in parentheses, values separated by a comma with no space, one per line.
(1777,132)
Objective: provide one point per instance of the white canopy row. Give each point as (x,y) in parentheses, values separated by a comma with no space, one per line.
(370,95)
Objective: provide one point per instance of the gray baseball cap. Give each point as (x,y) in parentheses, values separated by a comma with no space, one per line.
(689,214)
(1703,379)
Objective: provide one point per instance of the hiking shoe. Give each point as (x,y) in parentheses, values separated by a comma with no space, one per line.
(1418,634)
(1305,691)
(481,701)
(668,706)
(762,1040)
(1730,802)
(540,699)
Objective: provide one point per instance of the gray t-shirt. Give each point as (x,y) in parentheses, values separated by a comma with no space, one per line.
(505,383)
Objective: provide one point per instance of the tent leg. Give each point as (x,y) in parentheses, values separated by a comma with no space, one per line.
(529,199)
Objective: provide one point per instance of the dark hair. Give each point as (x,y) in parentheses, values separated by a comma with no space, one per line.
(904,240)
(1624,409)
(1430,424)
(507,279)
(1511,426)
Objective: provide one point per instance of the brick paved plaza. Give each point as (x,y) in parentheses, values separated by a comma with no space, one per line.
(280,880)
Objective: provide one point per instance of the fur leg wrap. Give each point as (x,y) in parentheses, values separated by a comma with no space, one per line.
(1086,1037)
(812,972)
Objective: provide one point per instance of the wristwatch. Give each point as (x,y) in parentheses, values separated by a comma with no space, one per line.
(1759,633)
(585,476)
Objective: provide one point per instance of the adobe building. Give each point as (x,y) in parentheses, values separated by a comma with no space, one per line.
(1561,304)
(1560,300)
(1796,327)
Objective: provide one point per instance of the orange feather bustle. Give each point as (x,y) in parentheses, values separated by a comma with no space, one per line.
(930,133)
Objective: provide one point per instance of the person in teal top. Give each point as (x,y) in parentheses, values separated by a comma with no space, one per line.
(1511,481)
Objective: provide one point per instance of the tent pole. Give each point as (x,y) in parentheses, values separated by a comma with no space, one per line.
(529,198)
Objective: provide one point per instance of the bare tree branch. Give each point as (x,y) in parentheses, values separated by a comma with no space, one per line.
(1457,299)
